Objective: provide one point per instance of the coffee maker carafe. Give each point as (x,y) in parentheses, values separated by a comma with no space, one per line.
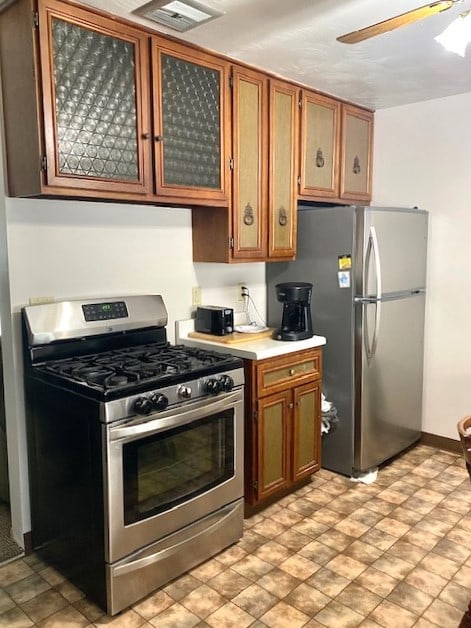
(296,323)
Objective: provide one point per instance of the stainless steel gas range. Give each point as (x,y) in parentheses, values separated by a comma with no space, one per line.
(135,446)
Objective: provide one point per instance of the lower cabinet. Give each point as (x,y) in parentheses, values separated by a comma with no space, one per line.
(283,424)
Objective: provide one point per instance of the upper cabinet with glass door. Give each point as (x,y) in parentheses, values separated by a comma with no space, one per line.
(190,134)
(93,73)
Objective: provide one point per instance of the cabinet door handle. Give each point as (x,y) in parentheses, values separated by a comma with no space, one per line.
(145,136)
(291,372)
(290,406)
(159,138)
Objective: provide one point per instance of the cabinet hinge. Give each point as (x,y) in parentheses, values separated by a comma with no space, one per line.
(231,81)
(300,103)
(255,415)
(231,163)
(43,163)
(231,242)
(299,180)
(255,485)
(35,19)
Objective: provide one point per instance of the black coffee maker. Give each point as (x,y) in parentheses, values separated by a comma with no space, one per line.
(296,323)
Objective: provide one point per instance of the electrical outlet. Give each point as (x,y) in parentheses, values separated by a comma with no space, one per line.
(241,290)
(196,296)
(40,300)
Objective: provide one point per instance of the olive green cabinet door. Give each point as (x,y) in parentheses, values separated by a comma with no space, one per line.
(320,136)
(306,430)
(357,144)
(283,160)
(273,444)
(191,110)
(250,144)
(95,100)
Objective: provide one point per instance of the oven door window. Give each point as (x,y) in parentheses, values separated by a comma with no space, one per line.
(171,467)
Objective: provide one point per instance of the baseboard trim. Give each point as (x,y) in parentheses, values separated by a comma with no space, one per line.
(441,442)
(28,543)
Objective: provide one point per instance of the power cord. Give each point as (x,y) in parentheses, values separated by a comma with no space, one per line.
(249,301)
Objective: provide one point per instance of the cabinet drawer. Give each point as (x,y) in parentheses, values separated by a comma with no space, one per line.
(284,372)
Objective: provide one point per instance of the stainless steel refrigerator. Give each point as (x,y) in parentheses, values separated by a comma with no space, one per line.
(368,269)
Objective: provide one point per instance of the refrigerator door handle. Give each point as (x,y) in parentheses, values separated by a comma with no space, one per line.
(373,248)
(370,348)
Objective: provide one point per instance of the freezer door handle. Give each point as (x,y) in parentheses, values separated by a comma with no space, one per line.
(372,249)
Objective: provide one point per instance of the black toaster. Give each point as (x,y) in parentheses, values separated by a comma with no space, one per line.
(214,319)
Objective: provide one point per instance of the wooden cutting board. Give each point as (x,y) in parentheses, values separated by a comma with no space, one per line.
(228,339)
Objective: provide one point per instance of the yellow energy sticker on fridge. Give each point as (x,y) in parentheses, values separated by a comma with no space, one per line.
(345,262)
(344,278)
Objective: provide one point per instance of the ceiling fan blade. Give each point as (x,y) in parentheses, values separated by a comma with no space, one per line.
(395,22)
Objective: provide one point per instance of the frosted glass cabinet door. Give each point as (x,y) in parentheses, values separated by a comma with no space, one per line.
(96,103)
(190,105)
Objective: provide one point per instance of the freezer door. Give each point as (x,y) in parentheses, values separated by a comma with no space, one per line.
(394,245)
(389,369)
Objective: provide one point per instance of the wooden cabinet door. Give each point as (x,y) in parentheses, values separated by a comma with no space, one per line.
(191,123)
(273,444)
(250,150)
(320,137)
(357,145)
(306,430)
(95,100)
(283,152)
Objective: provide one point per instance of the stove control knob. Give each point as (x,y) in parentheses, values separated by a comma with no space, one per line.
(184,392)
(212,386)
(142,405)
(226,382)
(159,401)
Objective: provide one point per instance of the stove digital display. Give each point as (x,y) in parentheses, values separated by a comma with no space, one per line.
(105,311)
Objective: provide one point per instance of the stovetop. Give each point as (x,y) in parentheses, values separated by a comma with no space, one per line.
(129,370)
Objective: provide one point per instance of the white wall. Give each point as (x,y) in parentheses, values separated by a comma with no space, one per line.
(422,157)
(74,249)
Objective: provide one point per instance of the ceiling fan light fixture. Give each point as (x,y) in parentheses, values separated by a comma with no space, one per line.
(457,35)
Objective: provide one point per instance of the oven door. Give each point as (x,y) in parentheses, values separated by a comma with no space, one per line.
(169,469)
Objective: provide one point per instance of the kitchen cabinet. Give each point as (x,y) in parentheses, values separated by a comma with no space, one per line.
(336,150)
(78,109)
(356,153)
(320,146)
(283,424)
(260,223)
(190,133)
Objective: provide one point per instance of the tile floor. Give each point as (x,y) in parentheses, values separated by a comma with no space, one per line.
(335,553)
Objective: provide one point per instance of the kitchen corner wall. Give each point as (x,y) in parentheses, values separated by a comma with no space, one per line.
(422,158)
(74,249)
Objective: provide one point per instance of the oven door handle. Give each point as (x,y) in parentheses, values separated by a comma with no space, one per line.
(214,521)
(174,417)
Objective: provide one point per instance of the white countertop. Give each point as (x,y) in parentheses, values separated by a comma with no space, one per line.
(251,350)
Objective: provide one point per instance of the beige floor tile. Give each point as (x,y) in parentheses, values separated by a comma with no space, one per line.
(426,581)
(45,604)
(405,550)
(255,600)
(269,528)
(363,552)
(346,566)
(273,553)
(229,583)
(252,567)
(176,616)
(391,615)
(150,606)
(307,599)
(393,566)
(359,599)
(336,615)
(443,614)
(181,587)
(456,595)
(335,539)
(286,517)
(378,538)
(299,567)
(279,582)
(351,527)
(376,581)
(283,615)
(202,601)
(318,552)
(229,615)
(410,598)
(68,617)
(310,527)
(440,565)
(392,526)
(27,588)
(328,582)
(13,572)
(15,618)
(293,540)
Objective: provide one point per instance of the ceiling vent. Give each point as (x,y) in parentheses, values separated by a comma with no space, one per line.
(181,15)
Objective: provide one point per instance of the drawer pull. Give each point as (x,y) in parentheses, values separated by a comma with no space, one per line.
(292,371)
